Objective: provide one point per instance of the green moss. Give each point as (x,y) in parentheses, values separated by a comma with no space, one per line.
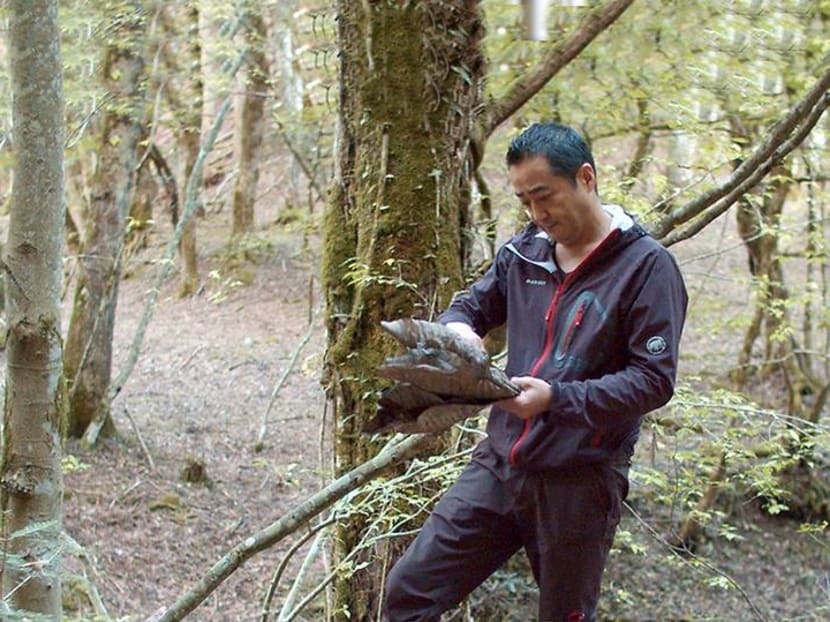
(392,243)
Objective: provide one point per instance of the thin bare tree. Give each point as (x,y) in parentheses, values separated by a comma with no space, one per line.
(30,475)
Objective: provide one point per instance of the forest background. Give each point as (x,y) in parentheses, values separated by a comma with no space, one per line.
(209,207)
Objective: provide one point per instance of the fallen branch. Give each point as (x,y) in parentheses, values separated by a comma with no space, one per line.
(141,442)
(286,525)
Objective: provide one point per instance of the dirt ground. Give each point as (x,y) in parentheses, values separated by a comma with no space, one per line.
(200,395)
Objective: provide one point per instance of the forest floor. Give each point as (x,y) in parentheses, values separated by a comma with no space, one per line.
(201,394)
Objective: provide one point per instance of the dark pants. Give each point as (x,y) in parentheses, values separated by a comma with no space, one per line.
(564,519)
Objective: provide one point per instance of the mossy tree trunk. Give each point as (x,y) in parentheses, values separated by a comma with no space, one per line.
(32,486)
(410,84)
(88,355)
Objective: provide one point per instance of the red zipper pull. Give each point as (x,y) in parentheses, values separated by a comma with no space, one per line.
(579,313)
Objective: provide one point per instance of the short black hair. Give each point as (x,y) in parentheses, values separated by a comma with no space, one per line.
(562,146)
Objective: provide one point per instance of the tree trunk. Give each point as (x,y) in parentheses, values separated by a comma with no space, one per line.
(251,124)
(88,357)
(410,82)
(291,101)
(32,485)
(191,139)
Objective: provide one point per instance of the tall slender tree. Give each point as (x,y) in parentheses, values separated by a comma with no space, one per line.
(251,124)
(88,355)
(190,129)
(32,487)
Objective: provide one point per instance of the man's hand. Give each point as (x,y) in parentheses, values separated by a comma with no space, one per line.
(534,399)
(466,332)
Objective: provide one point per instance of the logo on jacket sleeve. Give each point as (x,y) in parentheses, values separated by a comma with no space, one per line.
(656,345)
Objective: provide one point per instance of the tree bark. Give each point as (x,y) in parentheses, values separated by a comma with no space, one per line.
(190,130)
(410,83)
(251,123)
(32,484)
(88,357)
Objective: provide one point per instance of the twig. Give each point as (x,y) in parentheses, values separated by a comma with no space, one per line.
(298,157)
(316,530)
(686,554)
(132,487)
(291,597)
(141,440)
(294,356)
(193,354)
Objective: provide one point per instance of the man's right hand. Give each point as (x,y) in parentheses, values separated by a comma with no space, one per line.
(466,332)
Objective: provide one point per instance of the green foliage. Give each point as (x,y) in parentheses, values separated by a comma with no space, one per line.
(757,446)
(223,285)
(665,69)
(72,464)
(358,274)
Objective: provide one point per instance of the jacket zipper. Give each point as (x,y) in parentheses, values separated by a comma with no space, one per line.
(511,458)
(549,314)
(575,323)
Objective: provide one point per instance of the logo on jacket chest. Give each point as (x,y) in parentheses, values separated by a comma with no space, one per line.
(536,282)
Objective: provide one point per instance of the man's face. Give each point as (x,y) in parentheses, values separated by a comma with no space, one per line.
(557,205)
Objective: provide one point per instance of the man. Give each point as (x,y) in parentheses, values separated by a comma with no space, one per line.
(594,310)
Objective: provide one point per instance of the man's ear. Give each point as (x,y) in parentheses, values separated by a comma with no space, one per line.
(587,176)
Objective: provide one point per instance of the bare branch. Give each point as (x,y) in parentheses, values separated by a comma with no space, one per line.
(263,429)
(531,83)
(782,139)
(288,524)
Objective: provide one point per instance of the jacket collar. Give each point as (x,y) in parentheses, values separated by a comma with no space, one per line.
(535,246)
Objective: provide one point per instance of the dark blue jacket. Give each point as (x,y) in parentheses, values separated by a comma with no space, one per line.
(605,336)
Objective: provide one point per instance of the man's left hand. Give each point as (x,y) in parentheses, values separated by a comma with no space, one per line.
(534,399)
